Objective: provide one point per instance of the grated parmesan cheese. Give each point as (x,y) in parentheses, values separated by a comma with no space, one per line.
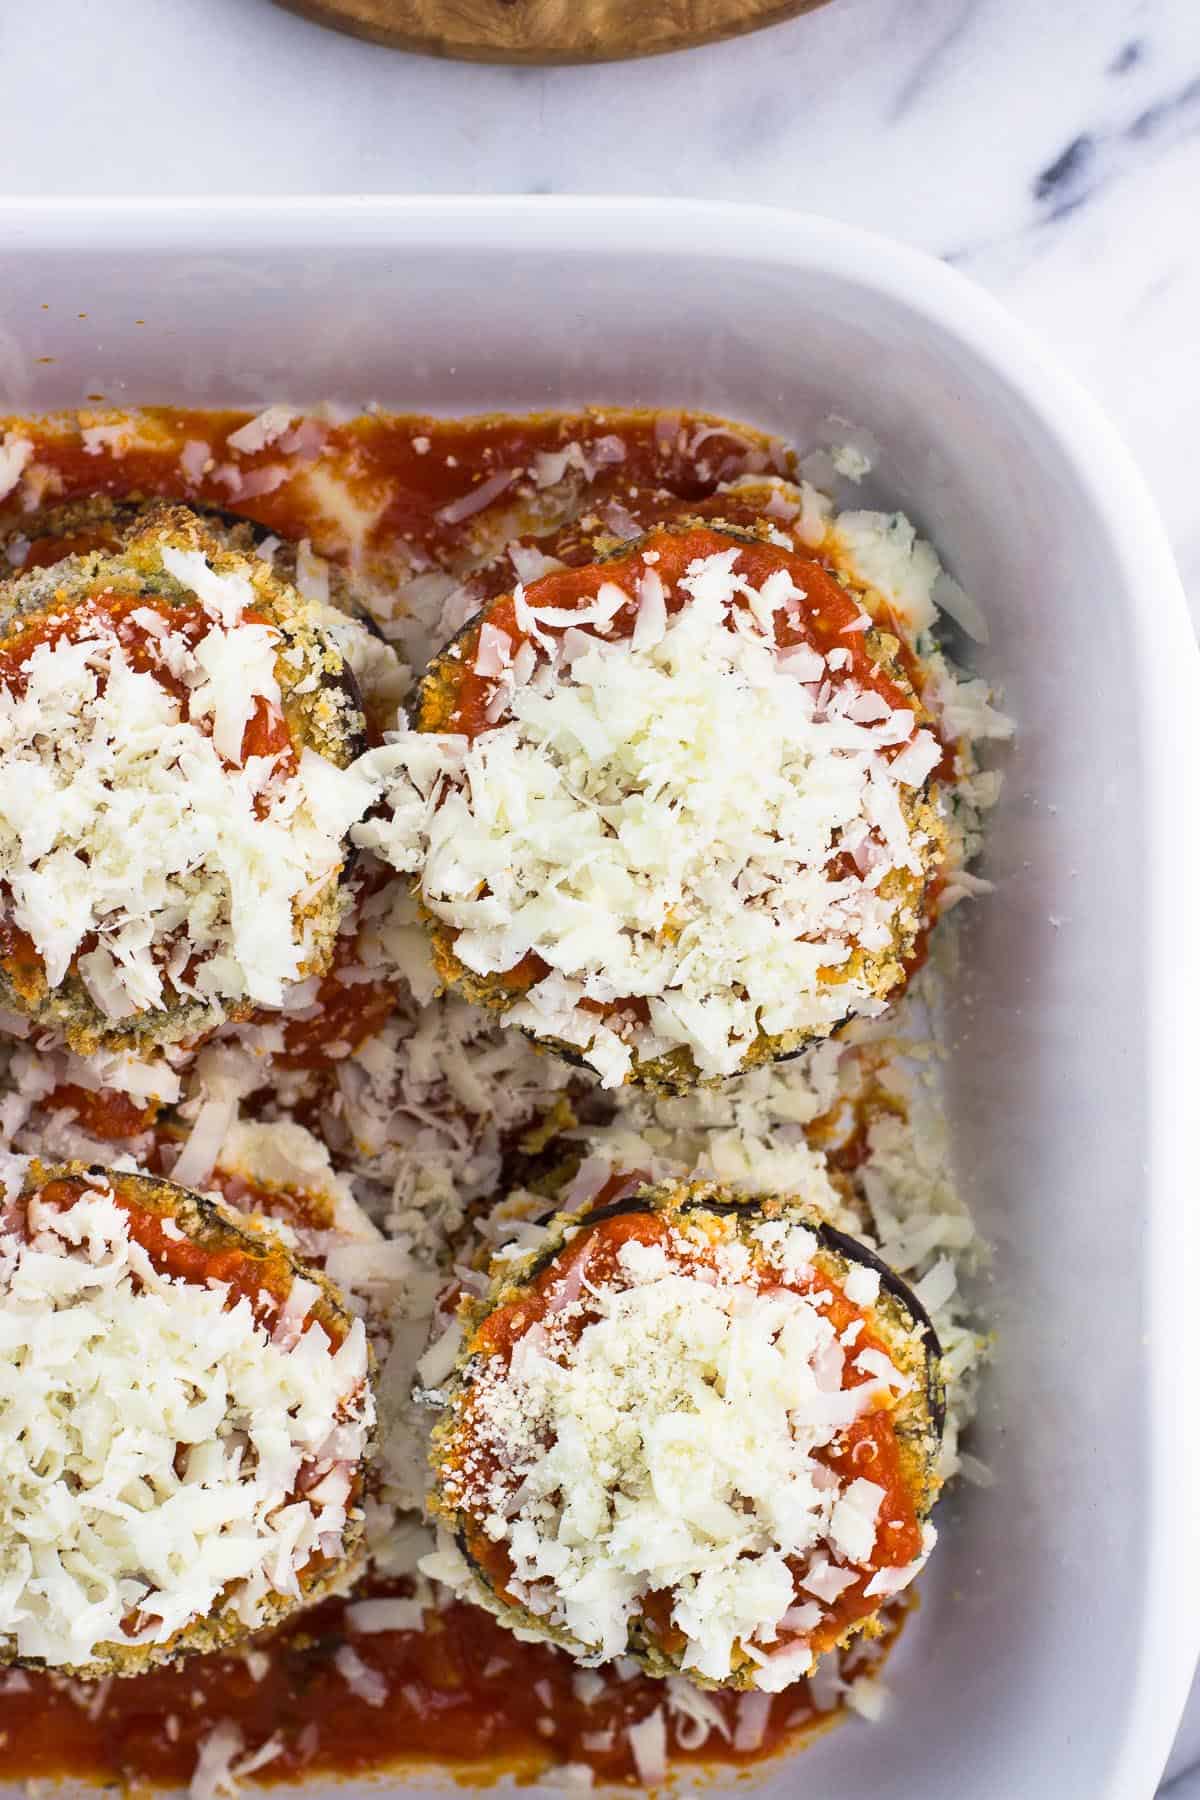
(665,1433)
(370,1616)
(258,432)
(213,1776)
(360,1678)
(648,1741)
(15,455)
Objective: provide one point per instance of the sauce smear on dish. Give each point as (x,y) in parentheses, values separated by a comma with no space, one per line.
(461,1692)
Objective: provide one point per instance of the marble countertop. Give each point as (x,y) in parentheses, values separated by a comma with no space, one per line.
(1049,148)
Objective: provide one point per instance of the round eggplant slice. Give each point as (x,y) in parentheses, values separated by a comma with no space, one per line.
(153,833)
(100,523)
(696,1429)
(698,825)
(105,524)
(186,1447)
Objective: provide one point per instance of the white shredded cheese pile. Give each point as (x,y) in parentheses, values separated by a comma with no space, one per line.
(151,1439)
(657,819)
(664,1432)
(128,818)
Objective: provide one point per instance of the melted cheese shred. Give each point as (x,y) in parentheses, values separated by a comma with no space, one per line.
(660,1429)
(151,1439)
(691,817)
(130,823)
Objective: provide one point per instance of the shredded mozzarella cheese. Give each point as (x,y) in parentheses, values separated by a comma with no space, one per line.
(687,819)
(664,1430)
(152,1440)
(125,820)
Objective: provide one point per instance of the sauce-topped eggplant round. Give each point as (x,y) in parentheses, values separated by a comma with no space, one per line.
(176,730)
(187,1414)
(673,812)
(694,1428)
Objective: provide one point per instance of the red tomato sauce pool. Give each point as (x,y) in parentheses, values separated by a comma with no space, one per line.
(460,1692)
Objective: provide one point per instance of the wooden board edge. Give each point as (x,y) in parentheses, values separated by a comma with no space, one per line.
(347,17)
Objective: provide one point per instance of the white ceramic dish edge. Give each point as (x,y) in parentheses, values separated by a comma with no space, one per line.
(1163,662)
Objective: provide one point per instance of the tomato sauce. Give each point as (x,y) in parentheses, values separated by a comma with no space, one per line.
(101,1112)
(402,471)
(349,1012)
(44,552)
(461,1692)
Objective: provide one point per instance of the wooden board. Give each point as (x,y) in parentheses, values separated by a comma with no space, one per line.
(548,31)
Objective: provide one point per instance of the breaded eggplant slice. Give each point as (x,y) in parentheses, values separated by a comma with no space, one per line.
(98,522)
(694,1428)
(103,523)
(188,1417)
(796,908)
(130,600)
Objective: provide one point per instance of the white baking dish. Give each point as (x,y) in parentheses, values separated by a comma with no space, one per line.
(1059,1626)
